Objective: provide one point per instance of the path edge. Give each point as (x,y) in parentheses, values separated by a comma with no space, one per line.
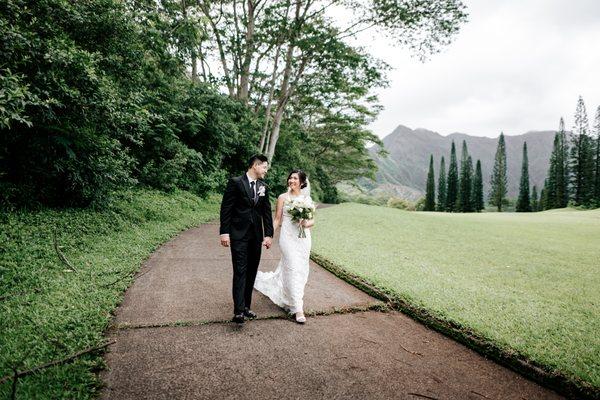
(567,386)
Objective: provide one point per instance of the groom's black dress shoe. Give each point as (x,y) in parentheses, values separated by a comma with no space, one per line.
(249,314)
(238,318)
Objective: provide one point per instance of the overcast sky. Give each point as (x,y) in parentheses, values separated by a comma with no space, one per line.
(515,66)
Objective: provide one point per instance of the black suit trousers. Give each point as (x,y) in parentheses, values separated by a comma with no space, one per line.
(245,254)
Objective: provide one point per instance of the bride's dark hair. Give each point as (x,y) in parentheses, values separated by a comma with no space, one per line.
(301,176)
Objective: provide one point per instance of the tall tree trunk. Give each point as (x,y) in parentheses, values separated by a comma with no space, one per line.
(194,68)
(274,135)
(288,85)
(267,141)
(263,138)
(284,91)
(245,67)
(205,7)
(202,62)
(287,90)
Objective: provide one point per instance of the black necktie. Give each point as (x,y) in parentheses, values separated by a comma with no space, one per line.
(253,191)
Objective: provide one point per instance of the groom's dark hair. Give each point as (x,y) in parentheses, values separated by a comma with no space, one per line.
(257,158)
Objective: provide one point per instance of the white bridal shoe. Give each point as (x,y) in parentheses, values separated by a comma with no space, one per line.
(300,318)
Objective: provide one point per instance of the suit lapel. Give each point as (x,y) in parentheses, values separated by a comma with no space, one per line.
(246,185)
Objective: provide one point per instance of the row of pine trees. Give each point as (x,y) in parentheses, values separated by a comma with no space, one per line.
(456,192)
(573,175)
(574,171)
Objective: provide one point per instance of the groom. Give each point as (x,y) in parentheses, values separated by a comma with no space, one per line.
(246,225)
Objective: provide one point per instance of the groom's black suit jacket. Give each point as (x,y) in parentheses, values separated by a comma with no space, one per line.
(239,213)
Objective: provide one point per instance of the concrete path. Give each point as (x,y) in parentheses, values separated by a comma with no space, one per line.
(174,341)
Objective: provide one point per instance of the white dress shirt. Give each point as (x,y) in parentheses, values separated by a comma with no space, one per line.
(250,180)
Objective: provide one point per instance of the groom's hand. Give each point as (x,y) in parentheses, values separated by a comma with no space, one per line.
(225,240)
(267,242)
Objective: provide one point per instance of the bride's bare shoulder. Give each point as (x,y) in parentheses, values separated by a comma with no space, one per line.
(282,196)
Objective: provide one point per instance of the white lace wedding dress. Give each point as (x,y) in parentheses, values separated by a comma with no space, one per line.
(285,285)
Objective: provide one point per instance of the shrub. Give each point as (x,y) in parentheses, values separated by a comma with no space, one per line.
(420,204)
(402,204)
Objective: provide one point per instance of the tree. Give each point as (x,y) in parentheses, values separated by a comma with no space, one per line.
(557,189)
(466,175)
(470,186)
(535,203)
(441,200)
(101,101)
(562,168)
(542,205)
(266,48)
(524,202)
(430,193)
(582,159)
(498,180)
(554,175)
(477,192)
(452,189)
(597,159)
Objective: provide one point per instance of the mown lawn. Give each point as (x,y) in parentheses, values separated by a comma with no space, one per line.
(528,282)
(48,311)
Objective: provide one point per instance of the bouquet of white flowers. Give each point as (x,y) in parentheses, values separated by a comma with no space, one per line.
(301,208)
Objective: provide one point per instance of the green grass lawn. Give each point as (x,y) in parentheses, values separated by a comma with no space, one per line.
(528,282)
(48,312)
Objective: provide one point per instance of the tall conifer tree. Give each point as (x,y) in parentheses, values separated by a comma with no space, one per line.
(470,194)
(441,194)
(557,189)
(498,181)
(524,202)
(597,159)
(477,193)
(430,192)
(466,173)
(581,160)
(562,168)
(452,188)
(535,203)
(554,174)
(543,197)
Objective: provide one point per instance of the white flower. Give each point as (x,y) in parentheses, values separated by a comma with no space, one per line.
(261,191)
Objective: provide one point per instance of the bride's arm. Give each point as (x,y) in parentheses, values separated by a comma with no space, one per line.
(278,212)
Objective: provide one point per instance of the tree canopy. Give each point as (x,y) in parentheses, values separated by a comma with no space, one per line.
(103,94)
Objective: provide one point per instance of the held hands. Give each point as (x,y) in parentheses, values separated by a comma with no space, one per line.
(267,242)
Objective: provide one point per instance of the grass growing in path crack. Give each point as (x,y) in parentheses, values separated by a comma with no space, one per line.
(526,282)
(53,306)
(381,307)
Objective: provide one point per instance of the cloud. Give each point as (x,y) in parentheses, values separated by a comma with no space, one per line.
(515,66)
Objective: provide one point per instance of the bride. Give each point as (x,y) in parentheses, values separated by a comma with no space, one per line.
(285,285)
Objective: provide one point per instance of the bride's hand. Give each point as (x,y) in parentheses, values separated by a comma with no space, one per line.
(307,223)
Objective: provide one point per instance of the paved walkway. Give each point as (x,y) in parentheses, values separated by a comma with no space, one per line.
(174,341)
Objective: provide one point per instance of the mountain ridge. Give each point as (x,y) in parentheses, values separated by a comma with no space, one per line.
(409,150)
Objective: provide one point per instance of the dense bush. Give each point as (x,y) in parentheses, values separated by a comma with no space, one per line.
(93,98)
(420,204)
